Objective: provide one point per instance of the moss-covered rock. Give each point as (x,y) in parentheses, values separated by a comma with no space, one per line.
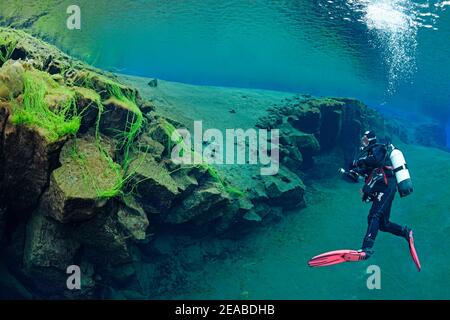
(307,144)
(149,145)
(28,159)
(41,55)
(11,80)
(88,105)
(77,188)
(155,187)
(307,119)
(159,132)
(117,116)
(104,85)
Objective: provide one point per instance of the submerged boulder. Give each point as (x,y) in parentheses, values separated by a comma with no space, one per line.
(48,243)
(103,238)
(88,104)
(155,187)
(132,219)
(286,190)
(147,144)
(80,188)
(11,79)
(49,250)
(204,204)
(306,119)
(118,116)
(28,159)
(106,86)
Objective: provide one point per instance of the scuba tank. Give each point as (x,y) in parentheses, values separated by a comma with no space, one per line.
(400,168)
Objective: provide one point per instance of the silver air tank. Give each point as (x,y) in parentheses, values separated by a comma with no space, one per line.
(401,171)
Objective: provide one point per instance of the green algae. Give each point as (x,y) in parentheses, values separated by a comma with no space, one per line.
(7,46)
(57,122)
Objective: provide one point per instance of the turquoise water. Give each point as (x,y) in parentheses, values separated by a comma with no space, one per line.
(393,54)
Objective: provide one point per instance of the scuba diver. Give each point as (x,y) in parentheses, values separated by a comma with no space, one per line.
(384,169)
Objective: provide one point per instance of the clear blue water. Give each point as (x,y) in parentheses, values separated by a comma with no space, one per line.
(392,54)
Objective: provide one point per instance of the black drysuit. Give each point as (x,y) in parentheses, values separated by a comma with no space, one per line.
(382,194)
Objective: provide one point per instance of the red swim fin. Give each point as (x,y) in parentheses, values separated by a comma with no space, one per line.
(335,257)
(413,251)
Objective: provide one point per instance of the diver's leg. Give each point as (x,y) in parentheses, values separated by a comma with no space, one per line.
(372,228)
(385,224)
(378,215)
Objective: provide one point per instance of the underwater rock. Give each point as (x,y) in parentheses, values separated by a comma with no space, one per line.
(104,85)
(11,79)
(155,187)
(258,193)
(49,250)
(28,159)
(48,243)
(103,239)
(232,219)
(147,144)
(186,179)
(88,103)
(307,119)
(266,211)
(252,216)
(160,132)
(132,218)
(124,274)
(37,53)
(79,189)
(291,157)
(331,120)
(117,116)
(153,83)
(146,107)
(11,288)
(285,190)
(306,143)
(203,205)
(83,216)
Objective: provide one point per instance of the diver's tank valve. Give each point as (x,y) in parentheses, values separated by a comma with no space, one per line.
(401,171)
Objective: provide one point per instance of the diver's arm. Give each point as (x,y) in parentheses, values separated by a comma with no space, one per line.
(373,160)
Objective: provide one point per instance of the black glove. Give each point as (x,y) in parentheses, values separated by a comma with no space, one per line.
(367,194)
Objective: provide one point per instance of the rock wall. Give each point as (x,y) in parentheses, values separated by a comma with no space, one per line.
(311,127)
